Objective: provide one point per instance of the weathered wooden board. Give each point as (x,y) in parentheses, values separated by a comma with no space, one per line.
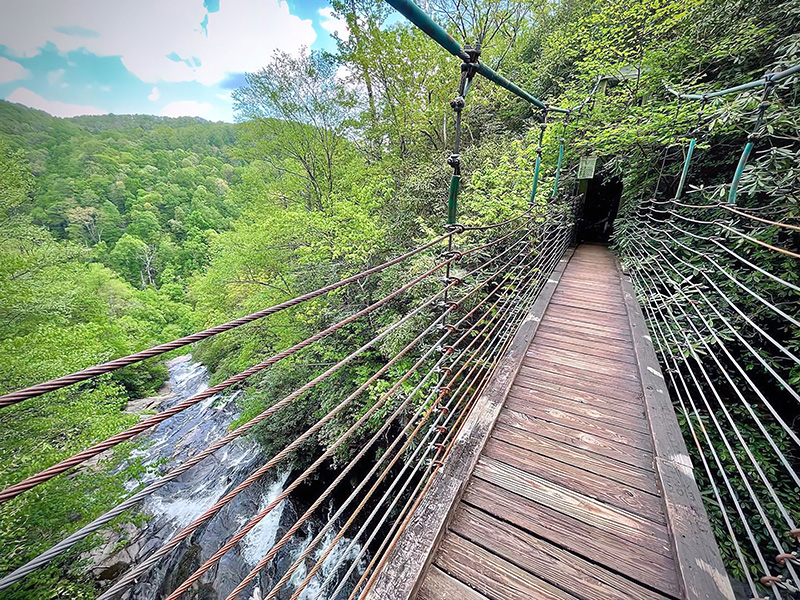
(586,373)
(578,480)
(560,567)
(630,475)
(581,379)
(491,575)
(606,312)
(610,367)
(637,530)
(595,427)
(517,400)
(438,585)
(620,352)
(606,548)
(625,407)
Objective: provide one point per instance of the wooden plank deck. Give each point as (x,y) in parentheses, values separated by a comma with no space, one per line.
(570,496)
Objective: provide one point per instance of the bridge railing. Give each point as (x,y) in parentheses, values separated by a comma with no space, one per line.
(717,270)
(393,440)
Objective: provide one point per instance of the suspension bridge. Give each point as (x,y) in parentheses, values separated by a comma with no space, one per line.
(526,441)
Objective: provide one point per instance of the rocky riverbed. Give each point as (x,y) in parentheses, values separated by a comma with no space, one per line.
(180,502)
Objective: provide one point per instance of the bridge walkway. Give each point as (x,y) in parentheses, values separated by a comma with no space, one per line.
(566,499)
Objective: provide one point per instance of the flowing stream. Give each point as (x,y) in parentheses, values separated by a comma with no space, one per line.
(180,502)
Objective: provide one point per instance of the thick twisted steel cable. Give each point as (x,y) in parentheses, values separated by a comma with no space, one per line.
(765,480)
(132,575)
(663,350)
(742,235)
(736,333)
(415,498)
(783,459)
(330,451)
(755,295)
(742,475)
(208,451)
(64,465)
(141,568)
(67,380)
(450,414)
(737,211)
(735,255)
(787,429)
(294,528)
(730,302)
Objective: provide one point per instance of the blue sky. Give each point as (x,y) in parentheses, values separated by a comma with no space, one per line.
(163,57)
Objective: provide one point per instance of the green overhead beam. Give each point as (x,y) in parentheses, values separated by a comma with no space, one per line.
(418,17)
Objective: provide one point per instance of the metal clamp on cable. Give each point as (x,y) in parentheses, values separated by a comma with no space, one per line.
(791,557)
(455,228)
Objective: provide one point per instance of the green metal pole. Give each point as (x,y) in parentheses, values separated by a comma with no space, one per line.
(685,168)
(452,201)
(558,168)
(418,17)
(536,179)
(739,170)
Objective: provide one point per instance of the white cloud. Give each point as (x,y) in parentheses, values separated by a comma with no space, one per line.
(55,78)
(186,108)
(11,71)
(241,35)
(154,95)
(333,24)
(54,107)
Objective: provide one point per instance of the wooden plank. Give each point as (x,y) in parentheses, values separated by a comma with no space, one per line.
(579,439)
(630,475)
(614,387)
(605,548)
(602,303)
(606,366)
(546,340)
(416,545)
(598,427)
(575,388)
(577,479)
(537,378)
(599,515)
(588,315)
(585,375)
(560,567)
(570,339)
(491,575)
(589,290)
(438,585)
(587,306)
(700,569)
(518,398)
(587,328)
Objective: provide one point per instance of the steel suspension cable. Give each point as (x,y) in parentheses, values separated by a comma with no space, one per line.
(309,548)
(789,519)
(64,465)
(67,380)
(450,414)
(317,426)
(317,502)
(663,348)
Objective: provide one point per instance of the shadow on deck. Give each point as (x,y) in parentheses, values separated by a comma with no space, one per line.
(570,479)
